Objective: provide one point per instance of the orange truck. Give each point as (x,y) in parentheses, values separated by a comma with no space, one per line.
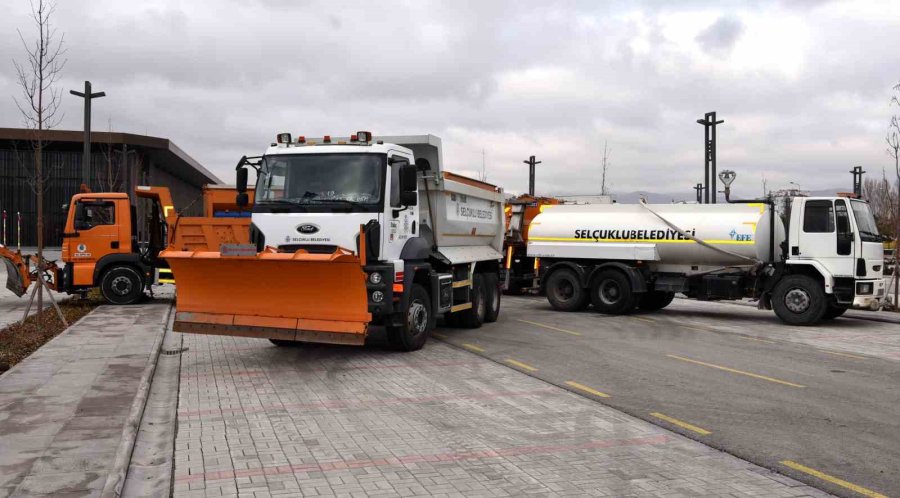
(101,249)
(521,271)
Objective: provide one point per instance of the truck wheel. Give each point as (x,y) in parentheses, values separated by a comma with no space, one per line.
(121,285)
(611,293)
(799,300)
(492,293)
(564,291)
(656,300)
(411,335)
(473,317)
(834,311)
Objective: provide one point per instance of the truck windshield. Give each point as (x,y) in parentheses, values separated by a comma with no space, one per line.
(322,182)
(865,222)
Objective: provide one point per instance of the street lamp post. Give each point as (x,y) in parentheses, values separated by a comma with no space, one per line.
(86,160)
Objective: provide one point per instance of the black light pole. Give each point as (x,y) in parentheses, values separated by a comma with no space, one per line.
(709,147)
(699,188)
(531,171)
(86,160)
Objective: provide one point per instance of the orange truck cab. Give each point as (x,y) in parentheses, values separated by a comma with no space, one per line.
(521,271)
(100,248)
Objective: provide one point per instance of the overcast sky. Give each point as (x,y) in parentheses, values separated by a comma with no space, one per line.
(803,86)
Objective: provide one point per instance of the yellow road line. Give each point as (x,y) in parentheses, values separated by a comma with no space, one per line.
(848,355)
(833,480)
(549,327)
(439,336)
(732,370)
(589,390)
(523,366)
(681,423)
(644,319)
(473,347)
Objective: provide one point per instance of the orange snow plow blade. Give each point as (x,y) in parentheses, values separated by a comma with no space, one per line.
(17,278)
(292,296)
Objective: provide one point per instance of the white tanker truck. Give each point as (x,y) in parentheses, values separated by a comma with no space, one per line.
(813,262)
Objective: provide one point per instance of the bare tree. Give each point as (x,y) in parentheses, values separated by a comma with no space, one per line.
(606,152)
(39,105)
(882,198)
(893,150)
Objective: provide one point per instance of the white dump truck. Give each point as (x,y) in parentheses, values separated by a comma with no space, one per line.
(812,262)
(349,235)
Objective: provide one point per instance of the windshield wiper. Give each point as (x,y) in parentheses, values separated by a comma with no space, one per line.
(344,201)
(877,236)
(276,201)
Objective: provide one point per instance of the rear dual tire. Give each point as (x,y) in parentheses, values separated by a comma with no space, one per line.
(611,293)
(564,291)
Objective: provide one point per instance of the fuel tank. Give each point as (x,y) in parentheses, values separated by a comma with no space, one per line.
(634,232)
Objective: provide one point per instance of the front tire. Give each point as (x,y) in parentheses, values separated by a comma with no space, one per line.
(564,291)
(611,293)
(412,334)
(799,300)
(492,293)
(122,285)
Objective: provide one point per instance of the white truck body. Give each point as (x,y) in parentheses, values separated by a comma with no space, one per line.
(829,258)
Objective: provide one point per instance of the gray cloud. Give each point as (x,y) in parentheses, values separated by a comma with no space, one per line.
(719,38)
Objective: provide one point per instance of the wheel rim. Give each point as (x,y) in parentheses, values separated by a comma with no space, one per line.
(797,300)
(609,292)
(418,317)
(121,286)
(564,290)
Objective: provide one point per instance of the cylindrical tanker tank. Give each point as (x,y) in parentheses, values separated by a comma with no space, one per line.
(741,232)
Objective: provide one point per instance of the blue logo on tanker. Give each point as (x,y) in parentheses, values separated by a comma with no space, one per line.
(744,237)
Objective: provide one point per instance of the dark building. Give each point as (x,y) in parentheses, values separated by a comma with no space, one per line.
(119,162)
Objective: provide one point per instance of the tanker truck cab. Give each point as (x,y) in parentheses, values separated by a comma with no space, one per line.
(349,236)
(836,241)
(808,259)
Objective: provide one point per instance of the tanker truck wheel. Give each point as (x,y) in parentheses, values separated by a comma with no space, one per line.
(611,293)
(411,335)
(564,291)
(799,300)
(121,284)
(656,300)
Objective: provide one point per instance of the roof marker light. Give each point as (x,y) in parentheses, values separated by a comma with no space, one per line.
(283,138)
(326,139)
(364,136)
(353,138)
(301,139)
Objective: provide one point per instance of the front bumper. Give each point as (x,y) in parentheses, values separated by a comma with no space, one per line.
(871,300)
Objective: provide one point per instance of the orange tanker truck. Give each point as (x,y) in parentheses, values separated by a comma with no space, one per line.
(100,246)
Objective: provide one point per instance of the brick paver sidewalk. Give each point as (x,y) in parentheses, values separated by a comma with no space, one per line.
(259,420)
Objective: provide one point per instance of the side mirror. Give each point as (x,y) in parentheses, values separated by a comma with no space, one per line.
(408,178)
(242,180)
(242,200)
(409,198)
(422,164)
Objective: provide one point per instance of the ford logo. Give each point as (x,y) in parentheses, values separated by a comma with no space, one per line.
(308,229)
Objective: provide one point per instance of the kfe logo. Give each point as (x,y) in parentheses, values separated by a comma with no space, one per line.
(739,236)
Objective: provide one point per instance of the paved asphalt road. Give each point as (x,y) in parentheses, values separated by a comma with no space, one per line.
(718,374)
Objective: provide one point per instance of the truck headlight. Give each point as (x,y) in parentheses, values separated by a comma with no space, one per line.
(377,296)
(375,278)
(864,288)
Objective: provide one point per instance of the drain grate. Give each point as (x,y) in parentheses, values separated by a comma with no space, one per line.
(173,352)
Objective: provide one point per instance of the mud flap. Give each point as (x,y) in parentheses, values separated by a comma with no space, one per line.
(17,279)
(271,295)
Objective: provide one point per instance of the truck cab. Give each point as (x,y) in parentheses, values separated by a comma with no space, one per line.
(836,240)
